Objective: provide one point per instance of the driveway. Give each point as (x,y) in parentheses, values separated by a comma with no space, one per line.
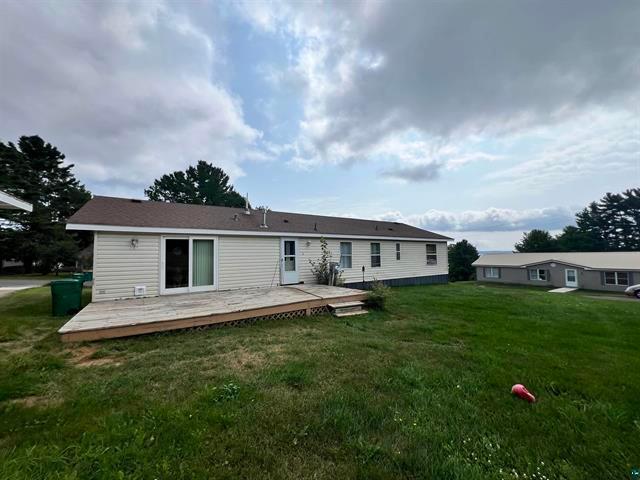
(8,286)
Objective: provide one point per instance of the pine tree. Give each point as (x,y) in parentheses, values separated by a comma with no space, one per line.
(203,184)
(35,172)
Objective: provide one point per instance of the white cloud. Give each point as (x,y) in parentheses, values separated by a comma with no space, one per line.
(489,220)
(127,90)
(372,71)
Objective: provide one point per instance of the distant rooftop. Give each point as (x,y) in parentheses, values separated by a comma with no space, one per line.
(9,202)
(591,260)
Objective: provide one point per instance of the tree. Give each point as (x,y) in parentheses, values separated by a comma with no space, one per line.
(35,172)
(572,239)
(614,220)
(536,241)
(461,255)
(203,184)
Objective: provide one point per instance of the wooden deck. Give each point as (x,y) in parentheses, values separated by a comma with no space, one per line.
(123,318)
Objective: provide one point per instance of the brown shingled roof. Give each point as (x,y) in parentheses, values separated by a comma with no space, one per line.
(124,212)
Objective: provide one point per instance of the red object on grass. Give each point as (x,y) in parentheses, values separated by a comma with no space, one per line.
(523,393)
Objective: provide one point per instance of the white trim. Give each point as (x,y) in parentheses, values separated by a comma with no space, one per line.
(244,233)
(283,273)
(190,288)
(13,203)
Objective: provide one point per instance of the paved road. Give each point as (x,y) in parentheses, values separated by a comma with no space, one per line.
(8,286)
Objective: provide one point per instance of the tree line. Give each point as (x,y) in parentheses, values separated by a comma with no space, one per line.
(35,171)
(607,225)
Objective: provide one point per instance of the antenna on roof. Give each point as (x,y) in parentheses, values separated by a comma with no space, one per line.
(247,210)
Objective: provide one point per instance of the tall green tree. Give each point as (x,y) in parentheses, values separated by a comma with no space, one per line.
(34,171)
(537,241)
(573,239)
(461,255)
(614,220)
(203,184)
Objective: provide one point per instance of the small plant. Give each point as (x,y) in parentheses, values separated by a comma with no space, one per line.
(228,391)
(321,268)
(378,295)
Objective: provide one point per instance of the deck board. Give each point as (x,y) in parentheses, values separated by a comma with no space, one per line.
(118,318)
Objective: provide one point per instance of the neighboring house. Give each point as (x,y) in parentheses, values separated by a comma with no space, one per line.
(144,248)
(609,271)
(9,202)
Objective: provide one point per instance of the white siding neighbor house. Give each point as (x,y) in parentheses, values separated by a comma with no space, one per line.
(144,248)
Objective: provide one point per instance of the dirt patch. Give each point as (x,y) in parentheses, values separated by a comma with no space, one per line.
(83,357)
(36,401)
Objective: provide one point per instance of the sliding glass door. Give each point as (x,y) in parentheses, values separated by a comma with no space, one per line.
(188,264)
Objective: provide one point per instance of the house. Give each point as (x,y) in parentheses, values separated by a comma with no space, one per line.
(144,248)
(608,271)
(9,202)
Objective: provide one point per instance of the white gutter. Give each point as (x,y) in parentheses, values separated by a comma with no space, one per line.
(248,233)
(9,202)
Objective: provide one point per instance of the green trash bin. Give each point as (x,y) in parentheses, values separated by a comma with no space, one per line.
(88,276)
(66,296)
(78,276)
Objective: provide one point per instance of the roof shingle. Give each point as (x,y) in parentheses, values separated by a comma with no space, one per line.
(124,212)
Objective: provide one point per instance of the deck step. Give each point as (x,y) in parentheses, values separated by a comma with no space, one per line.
(335,306)
(349,314)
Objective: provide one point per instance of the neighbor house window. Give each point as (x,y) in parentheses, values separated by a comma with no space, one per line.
(491,272)
(432,256)
(345,254)
(375,255)
(538,274)
(397,251)
(616,278)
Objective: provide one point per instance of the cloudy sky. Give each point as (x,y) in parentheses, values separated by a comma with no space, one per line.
(477,119)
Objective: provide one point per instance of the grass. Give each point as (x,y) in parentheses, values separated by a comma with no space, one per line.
(419,391)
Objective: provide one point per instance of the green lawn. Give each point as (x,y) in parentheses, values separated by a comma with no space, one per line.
(422,391)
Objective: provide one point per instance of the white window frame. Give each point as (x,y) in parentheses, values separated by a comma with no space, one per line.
(346,256)
(190,288)
(379,254)
(398,250)
(492,272)
(616,280)
(537,274)
(434,255)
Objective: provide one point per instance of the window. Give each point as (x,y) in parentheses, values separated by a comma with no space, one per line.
(432,256)
(375,255)
(538,274)
(345,254)
(492,272)
(616,278)
(397,251)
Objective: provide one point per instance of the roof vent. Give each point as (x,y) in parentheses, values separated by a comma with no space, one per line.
(285,220)
(315,227)
(376,227)
(236,217)
(247,210)
(391,229)
(264,217)
(135,200)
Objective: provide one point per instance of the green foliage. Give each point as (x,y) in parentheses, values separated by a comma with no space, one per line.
(321,268)
(203,184)
(461,255)
(572,239)
(35,172)
(610,224)
(378,295)
(614,221)
(537,241)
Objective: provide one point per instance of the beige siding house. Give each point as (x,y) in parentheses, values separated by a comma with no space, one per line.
(607,271)
(144,248)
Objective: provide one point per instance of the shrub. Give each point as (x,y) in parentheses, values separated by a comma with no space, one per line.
(321,268)
(378,295)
